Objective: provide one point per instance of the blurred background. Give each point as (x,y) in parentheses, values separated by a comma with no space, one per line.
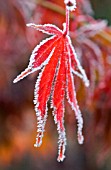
(90,32)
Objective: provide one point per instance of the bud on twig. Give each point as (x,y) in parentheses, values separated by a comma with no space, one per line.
(70,4)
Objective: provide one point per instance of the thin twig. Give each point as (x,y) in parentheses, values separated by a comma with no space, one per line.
(67,21)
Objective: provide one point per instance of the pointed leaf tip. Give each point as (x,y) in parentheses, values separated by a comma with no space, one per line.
(23,74)
(80,139)
(15,81)
(60,159)
(87,83)
(30,24)
(35,145)
(61,155)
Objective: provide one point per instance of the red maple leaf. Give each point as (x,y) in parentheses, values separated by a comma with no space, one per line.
(56,58)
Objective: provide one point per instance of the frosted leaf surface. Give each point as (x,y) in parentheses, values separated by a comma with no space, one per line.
(57,59)
(46,28)
(71,96)
(58,105)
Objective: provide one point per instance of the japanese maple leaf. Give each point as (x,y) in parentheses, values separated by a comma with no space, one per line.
(57,60)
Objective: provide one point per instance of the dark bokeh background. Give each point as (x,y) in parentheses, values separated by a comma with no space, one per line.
(17,116)
(102,9)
